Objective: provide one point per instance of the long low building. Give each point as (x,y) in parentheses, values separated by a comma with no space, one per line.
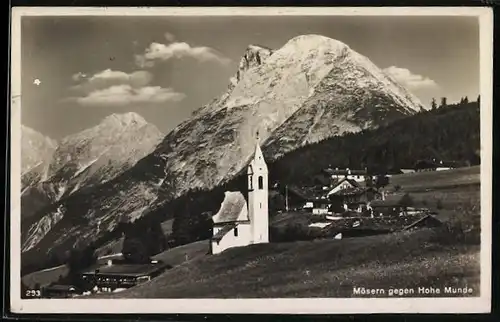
(111,277)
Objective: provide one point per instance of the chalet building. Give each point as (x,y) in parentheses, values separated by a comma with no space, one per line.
(112,277)
(356,198)
(238,223)
(433,165)
(59,291)
(343,184)
(339,174)
(391,206)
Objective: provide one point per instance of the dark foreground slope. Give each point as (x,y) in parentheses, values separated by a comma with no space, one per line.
(323,268)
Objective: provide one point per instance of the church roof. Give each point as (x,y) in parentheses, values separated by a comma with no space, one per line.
(223,231)
(233,208)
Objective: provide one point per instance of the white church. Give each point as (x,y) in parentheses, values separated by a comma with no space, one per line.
(238,223)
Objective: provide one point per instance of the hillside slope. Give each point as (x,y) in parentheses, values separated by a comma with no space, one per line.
(323,268)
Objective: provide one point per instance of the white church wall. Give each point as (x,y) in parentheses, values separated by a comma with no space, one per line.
(230,240)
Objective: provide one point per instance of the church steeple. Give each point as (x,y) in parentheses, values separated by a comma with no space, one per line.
(258,157)
(258,196)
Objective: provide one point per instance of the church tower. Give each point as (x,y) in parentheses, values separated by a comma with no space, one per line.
(258,197)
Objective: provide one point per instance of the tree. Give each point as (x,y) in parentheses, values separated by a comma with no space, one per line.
(433,104)
(478,99)
(143,240)
(466,100)
(135,251)
(190,226)
(406,200)
(381,181)
(81,258)
(443,102)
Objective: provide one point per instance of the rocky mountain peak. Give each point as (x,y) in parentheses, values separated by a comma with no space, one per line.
(36,148)
(125,119)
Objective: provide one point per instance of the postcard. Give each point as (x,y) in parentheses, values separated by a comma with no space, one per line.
(251,160)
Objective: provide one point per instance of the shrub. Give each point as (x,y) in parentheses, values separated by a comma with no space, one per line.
(407,200)
(466,230)
(439,204)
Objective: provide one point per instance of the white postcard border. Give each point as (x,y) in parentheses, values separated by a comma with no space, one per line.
(293,306)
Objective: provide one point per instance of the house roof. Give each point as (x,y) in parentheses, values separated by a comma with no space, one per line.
(233,208)
(127,269)
(345,172)
(427,220)
(302,193)
(354,191)
(223,231)
(60,288)
(390,201)
(352,182)
(320,201)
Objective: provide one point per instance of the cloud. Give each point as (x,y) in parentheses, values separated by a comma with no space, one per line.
(410,80)
(78,76)
(108,77)
(169,37)
(125,94)
(161,52)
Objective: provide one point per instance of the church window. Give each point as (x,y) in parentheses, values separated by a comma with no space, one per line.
(250,182)
(235,231)
(261,182)
(260,205)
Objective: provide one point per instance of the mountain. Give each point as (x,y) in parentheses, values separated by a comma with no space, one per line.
(36,151)
(310,89)
(85,159)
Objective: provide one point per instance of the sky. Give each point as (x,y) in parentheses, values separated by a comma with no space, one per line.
(77,70)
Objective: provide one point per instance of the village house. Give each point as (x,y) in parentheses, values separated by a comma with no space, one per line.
(391,206)
(239,223)
(434,165)
(355,198)
(339,174)
(343,184)
(114,277)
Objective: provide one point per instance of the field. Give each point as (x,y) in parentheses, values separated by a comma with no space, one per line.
(181,254)
(436,179)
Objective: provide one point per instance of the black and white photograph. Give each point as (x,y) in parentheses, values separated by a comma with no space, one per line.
(208,160)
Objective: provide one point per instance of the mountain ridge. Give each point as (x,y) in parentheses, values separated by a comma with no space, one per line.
(85,159)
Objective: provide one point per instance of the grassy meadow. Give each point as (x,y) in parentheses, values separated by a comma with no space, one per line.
(321,268)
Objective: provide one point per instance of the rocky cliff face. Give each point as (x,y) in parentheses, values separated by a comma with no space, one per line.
(311,88)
